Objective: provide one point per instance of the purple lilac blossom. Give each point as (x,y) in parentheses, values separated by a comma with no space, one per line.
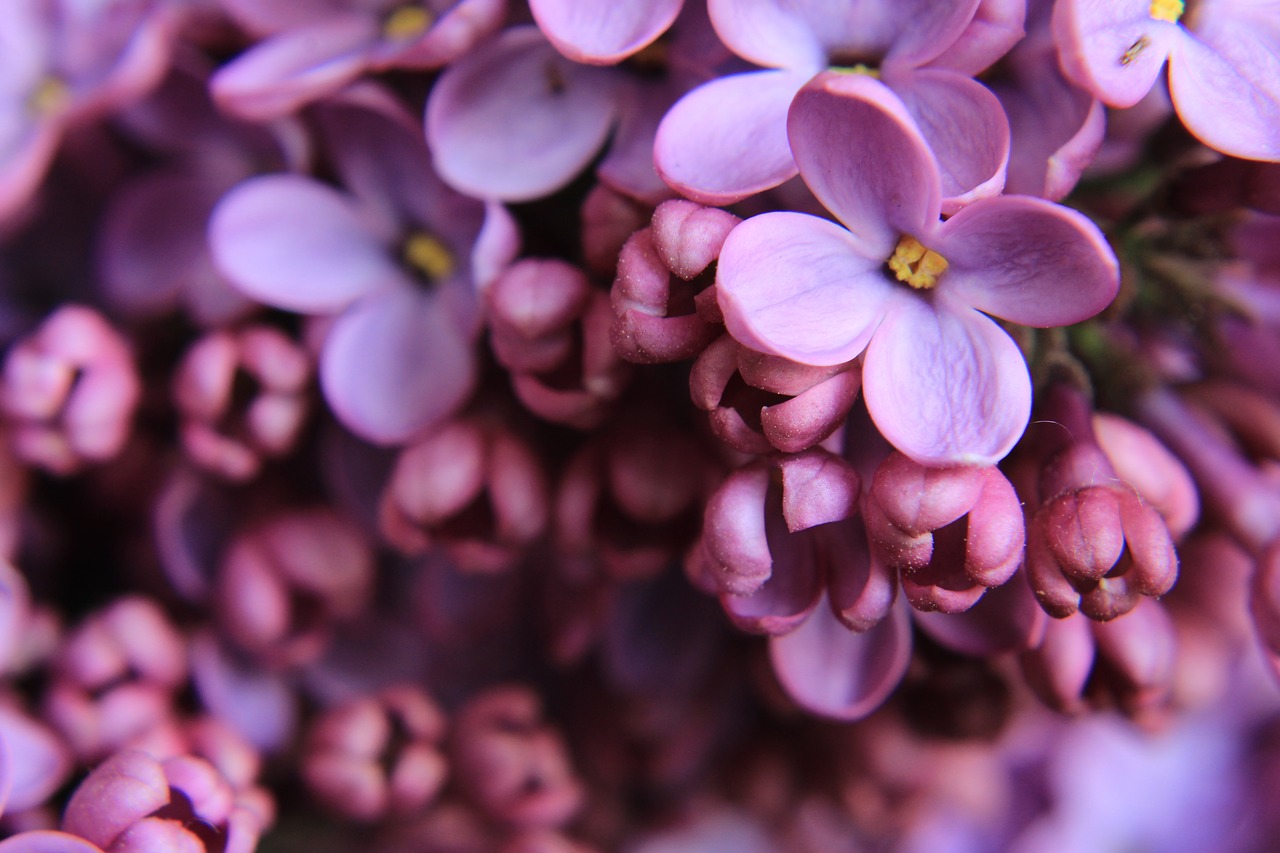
(398,258)
(62,62)
(727,139)
(515,120)
(1223,58)
(314,49)
(942,381)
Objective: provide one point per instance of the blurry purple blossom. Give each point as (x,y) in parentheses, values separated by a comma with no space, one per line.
(514,120)
(943,382)
(63,62)
(314,48)
(398,258)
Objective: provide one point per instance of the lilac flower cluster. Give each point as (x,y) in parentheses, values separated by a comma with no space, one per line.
(451,426)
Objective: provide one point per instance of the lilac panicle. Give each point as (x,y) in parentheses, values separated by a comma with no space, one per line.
(511,762)
(63,62)
(942,381)
(287,580)
(1224,74)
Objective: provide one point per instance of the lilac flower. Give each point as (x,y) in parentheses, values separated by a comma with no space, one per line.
(1223,56)
(315,48)
(942,381)
(398,258)
(727,139)
(515,120)
(1055,126)
(62,62)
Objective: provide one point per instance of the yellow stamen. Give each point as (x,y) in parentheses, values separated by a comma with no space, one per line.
(406,23)
(915,265)
(48,95)
(865,70)
(428,256)
(1167,10)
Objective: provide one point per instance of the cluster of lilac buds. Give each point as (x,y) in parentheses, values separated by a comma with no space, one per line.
(556,426)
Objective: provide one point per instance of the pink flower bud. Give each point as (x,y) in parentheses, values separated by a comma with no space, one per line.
(243,398)
(474,489)
(70,390)
(951,532)
(758,402)
(511,763)
(663,272)
(115,677)
(378,755)
(284,583)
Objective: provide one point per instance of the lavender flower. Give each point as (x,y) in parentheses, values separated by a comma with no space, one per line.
(1223,70)
(400,269)
(942,381)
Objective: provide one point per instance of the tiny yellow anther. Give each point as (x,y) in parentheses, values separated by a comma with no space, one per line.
(407,22)
(428,256)
(915,265)
(1167,10)
(47,96)
(858,68)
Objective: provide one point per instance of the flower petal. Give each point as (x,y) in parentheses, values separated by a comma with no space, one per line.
(860,152)
(773,34)
(603,33)
(727,139)
(277,76)
(1027,260)
(944,384)
(1114,49)
(297,244)
(514,120)
(829,670)
(1225,81)
(964,126)
(796,286)
(396,363)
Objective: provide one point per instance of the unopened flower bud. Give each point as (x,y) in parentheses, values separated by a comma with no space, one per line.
(69,391)
(951,532)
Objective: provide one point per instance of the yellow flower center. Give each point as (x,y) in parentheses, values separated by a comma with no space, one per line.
(429,257)
(48,96)
(407,22)
(858,68)
(1167,10)
(915,265)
